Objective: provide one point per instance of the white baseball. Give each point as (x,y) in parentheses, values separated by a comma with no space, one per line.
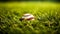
(28,17)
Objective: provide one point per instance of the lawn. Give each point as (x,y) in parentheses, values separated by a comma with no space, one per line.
(47,18)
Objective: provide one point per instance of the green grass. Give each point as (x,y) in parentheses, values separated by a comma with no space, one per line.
(47,18)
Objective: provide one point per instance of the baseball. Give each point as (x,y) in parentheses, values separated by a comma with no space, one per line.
(27,17)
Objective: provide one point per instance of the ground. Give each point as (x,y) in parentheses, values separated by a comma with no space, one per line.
(47,18)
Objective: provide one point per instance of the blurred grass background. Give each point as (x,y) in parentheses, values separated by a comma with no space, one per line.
(47,18)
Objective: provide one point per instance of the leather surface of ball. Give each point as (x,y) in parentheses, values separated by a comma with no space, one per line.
(27,17)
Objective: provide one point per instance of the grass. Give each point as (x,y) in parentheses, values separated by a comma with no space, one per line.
(47,18)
